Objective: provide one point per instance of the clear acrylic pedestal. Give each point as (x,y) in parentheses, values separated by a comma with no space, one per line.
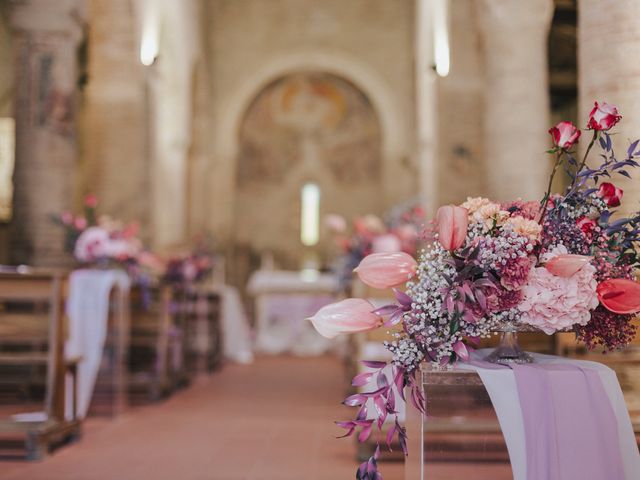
(460,436)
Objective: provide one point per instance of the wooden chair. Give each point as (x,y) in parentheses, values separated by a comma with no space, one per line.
(32,357)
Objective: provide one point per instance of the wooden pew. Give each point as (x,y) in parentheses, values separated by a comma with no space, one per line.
(32,345)
(202,330)
(153,345)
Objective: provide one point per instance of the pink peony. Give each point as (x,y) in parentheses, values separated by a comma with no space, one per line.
(553,303)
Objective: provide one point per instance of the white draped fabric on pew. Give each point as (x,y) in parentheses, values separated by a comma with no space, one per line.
(502,389)
(88,313)
(283,300)
(236,334)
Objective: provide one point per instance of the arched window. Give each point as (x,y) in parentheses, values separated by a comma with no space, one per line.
(310,214)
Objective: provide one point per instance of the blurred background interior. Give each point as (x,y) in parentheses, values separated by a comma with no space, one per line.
(242,156)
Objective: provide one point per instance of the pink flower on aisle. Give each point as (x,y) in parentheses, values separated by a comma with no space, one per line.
(348,316)
(611,194)
(92,244)
(66,218)
(80,223)
(567,265)
(603,117)
(335,223)
(386,270)
(565,135)
(620,295)
(91,201)
(387,243)
(453,222)
(552,303)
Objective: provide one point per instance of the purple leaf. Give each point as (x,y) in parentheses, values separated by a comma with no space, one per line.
(373,364)
(391,402)
(390,433)
(386,310)
(382,380)
(365,433)
(404,299)
(354,400)
(362,379)
(379,403)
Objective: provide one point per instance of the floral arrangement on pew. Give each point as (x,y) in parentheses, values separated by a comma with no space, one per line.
(399,232)
(565,262)
(99,239)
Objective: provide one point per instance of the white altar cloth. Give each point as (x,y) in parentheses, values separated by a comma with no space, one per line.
(283,300)
(88,313)
(502,389)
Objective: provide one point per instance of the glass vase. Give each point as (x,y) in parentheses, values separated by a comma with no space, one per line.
(509,350)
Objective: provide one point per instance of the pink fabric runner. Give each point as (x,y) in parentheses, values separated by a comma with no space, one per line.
(570,428)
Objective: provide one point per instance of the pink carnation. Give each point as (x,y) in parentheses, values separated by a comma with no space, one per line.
(553,303)
(515,273)
(528,210)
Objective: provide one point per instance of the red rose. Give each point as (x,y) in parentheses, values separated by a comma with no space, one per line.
(603,117)
(610,194)
(565,135)
(586,224)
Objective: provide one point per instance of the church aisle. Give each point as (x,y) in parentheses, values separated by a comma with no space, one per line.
(268,421)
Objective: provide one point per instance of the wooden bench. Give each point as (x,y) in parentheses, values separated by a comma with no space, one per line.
(32,359)
(154,345)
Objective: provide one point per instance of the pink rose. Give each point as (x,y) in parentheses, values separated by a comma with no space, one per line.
(603,117)
(610,194)
(565,135)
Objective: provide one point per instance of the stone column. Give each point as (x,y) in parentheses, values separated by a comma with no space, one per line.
(117,139)
(516,109)
(608,70)
(46,36)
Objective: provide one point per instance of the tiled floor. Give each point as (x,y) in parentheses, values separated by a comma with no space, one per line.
(272,420)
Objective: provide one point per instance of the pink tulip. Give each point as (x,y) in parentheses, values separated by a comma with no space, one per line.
(565,134)
(452,226)
(348,316)
(566,265)
(603,117)
(619,295)
(386,270)
(387,243)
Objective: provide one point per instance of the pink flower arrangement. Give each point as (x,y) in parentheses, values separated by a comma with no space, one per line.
(563,263)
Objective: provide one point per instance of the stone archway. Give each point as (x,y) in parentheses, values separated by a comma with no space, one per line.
(301,127)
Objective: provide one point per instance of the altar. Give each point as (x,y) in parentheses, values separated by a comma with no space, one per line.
(283,300)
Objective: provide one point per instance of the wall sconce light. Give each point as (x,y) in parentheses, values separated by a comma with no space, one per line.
(441,52)
(150,39)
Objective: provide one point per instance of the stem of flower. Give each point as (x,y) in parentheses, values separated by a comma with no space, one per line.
(547,195)
(584,159)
